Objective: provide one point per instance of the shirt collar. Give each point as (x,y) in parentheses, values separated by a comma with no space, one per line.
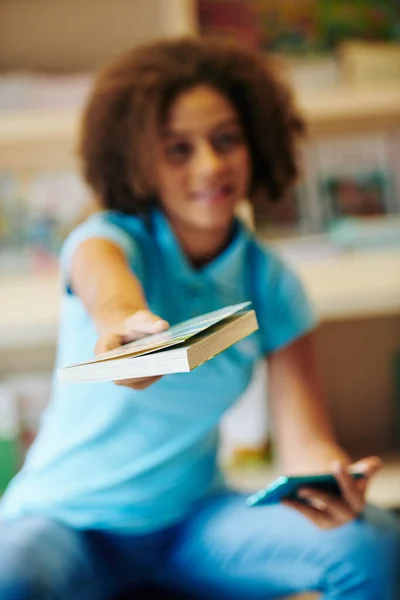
(221,270)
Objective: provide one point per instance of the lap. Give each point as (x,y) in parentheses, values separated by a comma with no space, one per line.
(224,550)
(229,550)
(40,558)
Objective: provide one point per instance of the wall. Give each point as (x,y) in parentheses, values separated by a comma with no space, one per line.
(68,35)
(357,367)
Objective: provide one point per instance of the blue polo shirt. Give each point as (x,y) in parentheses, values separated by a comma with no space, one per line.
(114,458)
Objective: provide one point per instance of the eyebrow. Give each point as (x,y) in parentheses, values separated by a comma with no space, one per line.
(167,132)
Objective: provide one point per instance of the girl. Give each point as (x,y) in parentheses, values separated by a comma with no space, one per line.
(122,486)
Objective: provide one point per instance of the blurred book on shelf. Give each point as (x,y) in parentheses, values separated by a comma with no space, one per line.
(362,194)
(39,204)
(355,176)
(37,211)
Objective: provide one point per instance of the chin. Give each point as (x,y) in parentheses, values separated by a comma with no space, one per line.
(215,222)
(214,217)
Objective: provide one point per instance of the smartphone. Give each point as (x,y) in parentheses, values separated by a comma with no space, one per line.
(286,487)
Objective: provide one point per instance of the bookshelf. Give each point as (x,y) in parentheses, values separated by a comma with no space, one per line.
(346,288)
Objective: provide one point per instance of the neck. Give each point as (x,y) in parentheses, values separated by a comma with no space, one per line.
(199,246)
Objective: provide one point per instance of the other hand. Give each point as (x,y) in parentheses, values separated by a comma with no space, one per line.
(328,510)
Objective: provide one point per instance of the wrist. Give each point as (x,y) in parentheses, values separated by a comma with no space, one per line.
(318,457)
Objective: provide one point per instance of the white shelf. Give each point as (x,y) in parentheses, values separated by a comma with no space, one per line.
(353,285)
(350,105)
(344,286)
(20,126)
(331,107)
(39,139)
(29,309)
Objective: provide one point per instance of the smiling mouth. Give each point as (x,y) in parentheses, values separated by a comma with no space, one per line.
(214,195)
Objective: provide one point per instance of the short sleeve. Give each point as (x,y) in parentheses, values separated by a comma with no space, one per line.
(283,310)
(97,226)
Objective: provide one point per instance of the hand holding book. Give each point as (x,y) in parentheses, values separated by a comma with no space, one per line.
(167,350)
(137,325)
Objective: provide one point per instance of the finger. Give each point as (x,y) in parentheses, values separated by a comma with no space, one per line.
(351,492)
(369,466)
(145,322)
(335,507)
(320,518)
(138,384)
(107,342)
(145,383)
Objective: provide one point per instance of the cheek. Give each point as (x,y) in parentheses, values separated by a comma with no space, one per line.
(170,181)
(242,166)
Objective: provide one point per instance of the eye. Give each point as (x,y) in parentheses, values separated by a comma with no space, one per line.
(178,152)
(226,141)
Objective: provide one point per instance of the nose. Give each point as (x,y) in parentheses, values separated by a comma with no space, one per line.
(207,161)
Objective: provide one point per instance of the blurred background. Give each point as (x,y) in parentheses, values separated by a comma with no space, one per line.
(339,228)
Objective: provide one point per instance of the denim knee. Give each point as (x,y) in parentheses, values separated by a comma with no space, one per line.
(23,586)
(32,562)
(22,575)
(364,557)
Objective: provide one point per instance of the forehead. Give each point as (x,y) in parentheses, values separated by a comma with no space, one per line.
(200,108)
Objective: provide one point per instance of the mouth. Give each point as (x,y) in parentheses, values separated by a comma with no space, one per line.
(214,195)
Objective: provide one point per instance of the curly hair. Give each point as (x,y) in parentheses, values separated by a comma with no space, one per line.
(130,101)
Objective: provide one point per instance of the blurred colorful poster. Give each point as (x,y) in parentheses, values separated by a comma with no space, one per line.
(55,203)
(37,211)
(357,195)
(300,26)
(288,26)
(354,176)
(235,20)
(371,20)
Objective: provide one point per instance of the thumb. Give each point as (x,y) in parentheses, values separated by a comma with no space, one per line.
(107,342)
(143,322)
(369,466)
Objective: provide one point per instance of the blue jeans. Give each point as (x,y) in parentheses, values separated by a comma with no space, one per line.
(223,550)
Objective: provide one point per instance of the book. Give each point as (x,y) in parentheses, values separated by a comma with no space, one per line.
(179,349)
